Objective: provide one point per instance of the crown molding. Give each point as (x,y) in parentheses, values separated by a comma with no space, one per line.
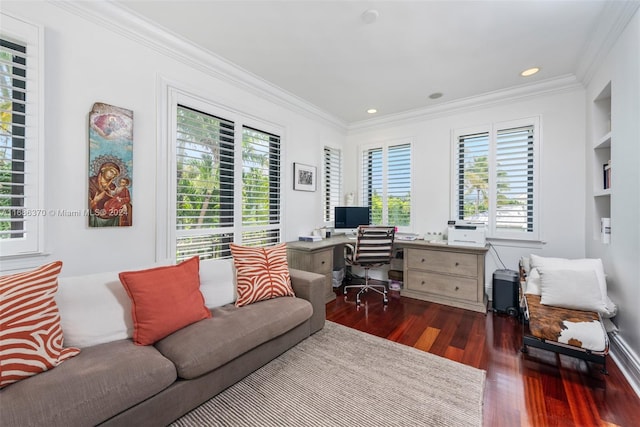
(119,19)
(561,84)
(126,23)
(611,23)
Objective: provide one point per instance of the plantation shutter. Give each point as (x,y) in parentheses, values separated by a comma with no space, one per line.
(17,219)
(386,184)
(514,179)
(472,180)
(332,181)
(260,188)
(372,181)
(399,185)
(205,185)
(496,178)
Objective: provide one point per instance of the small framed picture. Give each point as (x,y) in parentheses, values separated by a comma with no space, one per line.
(304,177)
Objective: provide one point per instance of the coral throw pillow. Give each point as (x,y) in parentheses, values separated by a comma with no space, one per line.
(30,332)
(261,273)
(164,299)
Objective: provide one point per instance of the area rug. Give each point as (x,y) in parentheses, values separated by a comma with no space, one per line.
(343,377)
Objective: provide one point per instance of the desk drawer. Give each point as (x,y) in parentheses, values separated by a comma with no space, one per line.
(443,262)
(323,262)
(438,284)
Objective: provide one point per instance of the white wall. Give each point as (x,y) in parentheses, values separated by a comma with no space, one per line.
(87,63)
(622,257)
(562,170)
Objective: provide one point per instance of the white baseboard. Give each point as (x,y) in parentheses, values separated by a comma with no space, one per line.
(627,361)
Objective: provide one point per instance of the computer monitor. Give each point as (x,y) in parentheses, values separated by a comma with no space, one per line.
(349,218)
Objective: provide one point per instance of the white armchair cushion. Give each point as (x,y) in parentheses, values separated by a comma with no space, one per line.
(593,264)
(533,282)
(574,289)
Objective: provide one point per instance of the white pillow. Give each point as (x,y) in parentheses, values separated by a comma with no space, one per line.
(525,263)
(533,282)
(94,309)
(573,264)
(574,289)
(217,282)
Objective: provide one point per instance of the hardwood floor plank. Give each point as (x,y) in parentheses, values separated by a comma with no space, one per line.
(427,338)
(535,401)
(539,388)
(454,353)
(474,350)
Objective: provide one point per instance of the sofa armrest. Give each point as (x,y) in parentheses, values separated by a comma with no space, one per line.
(310,286)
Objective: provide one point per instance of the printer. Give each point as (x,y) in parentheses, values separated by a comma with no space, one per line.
(467,233)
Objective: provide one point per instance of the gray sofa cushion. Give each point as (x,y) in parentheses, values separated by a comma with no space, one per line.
(231,331)
(101,381)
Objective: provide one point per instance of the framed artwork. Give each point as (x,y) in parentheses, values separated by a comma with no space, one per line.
(110,166)
(304,177)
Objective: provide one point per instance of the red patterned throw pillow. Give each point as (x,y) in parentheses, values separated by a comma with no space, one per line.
(261,273)
(30,332)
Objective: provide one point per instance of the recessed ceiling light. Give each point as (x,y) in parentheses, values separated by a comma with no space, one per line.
(372,111)
(529,72)
(370,16)
(435,95)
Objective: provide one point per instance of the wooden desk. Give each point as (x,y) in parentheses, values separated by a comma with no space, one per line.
(436,272)
(318,257)
(450,275)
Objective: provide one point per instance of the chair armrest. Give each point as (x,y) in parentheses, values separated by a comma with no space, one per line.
(349,252)
(310,286)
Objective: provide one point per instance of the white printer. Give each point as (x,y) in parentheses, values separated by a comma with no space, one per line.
(467,233)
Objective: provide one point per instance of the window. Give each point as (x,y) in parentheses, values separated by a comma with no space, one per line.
(496,178)
(260,188)
(386,184)
(21,211)
(215,203)
(332,182)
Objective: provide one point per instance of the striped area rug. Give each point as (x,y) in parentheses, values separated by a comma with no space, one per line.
(343,377)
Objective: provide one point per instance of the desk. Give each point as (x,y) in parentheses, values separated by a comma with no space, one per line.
(450,275)
(318,257)
(436,272)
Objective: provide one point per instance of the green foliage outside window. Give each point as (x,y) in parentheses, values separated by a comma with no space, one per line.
(399,210)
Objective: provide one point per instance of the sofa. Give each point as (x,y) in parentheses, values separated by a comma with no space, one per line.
(113,381)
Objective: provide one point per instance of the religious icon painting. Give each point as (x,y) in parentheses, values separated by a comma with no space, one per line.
(110,166)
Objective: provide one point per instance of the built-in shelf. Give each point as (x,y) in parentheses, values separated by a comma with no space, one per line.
(604,142)
(601,158)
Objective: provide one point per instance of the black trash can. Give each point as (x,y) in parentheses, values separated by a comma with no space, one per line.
(506,292)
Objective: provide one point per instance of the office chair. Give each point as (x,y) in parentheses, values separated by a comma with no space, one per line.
(373,249)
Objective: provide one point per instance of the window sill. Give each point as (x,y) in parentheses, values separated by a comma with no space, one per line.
(16,263)
(516,243)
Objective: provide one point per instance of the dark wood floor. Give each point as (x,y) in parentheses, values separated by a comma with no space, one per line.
(537,389)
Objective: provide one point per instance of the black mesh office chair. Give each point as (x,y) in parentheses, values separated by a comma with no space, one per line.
(373,249)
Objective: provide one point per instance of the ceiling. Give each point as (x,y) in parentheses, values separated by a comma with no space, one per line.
(326,54)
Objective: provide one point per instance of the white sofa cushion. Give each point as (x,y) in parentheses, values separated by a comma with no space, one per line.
(94,309)
(217,282)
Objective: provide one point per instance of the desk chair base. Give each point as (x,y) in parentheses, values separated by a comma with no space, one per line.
(366,286)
